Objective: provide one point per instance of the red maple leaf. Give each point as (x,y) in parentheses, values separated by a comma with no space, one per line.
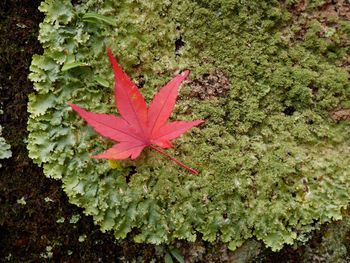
(138,126)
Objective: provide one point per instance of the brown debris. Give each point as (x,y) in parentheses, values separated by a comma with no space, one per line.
(339,8)
(323,14)
(298,7)
(339,115)
(209,86)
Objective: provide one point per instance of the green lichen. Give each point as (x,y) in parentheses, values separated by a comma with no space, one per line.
(5,148)
(273,164)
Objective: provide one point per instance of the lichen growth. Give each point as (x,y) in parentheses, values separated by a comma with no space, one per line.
(5,148)
(273,163)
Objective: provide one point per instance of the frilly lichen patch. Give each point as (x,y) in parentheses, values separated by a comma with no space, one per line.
(273,163)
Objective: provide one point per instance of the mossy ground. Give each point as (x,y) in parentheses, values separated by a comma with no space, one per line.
(28,229)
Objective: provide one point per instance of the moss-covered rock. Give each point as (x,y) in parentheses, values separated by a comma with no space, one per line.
(273,163)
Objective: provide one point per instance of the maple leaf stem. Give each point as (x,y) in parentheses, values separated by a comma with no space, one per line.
(193,171)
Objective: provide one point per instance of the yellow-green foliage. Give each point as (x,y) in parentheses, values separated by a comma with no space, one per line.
(273,164)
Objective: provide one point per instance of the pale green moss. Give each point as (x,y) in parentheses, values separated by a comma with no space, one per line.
(272,163)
